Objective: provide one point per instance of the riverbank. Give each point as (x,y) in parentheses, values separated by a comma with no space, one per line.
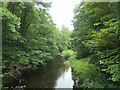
(88,75)
(53,75)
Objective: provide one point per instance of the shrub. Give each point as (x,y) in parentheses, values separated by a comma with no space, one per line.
(68,53)
(89,74)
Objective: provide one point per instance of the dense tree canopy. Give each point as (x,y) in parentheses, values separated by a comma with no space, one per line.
(30,38)
(97,36)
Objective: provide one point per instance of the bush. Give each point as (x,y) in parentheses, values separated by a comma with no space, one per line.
(89,75)
(68,53)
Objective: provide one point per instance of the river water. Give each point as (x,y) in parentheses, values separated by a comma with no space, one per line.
(55,74)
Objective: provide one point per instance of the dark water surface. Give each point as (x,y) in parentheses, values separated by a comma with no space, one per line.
(54,75)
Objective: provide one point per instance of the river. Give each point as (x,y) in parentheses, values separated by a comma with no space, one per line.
(55,74)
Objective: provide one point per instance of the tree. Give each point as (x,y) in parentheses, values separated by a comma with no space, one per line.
(96,36)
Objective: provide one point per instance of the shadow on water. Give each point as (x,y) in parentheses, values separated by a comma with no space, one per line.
(54,75)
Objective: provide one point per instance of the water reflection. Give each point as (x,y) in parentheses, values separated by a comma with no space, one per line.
(65,80)
(54,75)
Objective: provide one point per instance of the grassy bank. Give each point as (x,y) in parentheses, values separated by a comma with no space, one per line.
(88,73)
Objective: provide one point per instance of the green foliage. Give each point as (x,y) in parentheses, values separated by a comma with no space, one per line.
(89,74)
(96,37)
(16,87)
(30,38)
(10,25)
(67,54)
(27,39)
(65,38)
(109,60)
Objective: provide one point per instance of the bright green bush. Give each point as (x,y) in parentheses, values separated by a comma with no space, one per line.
(68,53)
(109,60)
(89,75)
